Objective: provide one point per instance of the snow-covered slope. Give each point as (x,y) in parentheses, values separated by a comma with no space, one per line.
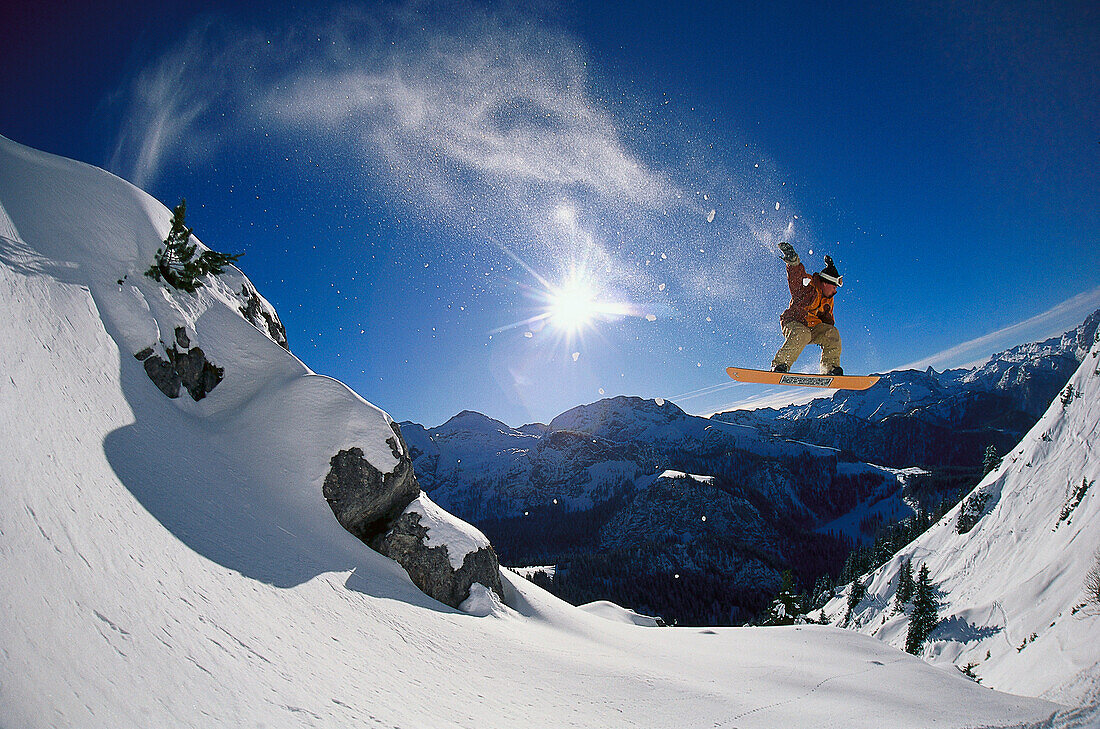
(1011,590)
(173,563)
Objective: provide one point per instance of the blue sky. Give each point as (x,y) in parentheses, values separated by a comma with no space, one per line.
(415,184)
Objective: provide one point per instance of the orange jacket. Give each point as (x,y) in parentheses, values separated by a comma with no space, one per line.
(809,304)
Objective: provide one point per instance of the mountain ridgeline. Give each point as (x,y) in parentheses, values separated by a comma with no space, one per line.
(939,420)
(697,519)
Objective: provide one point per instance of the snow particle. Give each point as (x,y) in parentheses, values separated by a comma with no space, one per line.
(710,215)
(650,317)
(576,356)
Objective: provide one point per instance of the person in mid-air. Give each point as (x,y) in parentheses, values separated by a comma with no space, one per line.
(809,318)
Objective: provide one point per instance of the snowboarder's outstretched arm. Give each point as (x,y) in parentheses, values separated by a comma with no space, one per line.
(796,272)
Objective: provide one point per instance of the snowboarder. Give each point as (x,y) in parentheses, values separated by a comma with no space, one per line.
(809,318)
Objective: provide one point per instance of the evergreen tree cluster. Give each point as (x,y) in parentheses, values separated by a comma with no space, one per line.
(176,263)
(972,509)
(891,539)
(1074,500)
(991,459)
(629,578)
(906,586)
(845,492)
(1092,583)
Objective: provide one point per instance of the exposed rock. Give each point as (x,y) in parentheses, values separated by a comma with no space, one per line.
(378,509)
(365,500)
(431,567)
(263,317)
(186,368)
(164,375)
(198,375)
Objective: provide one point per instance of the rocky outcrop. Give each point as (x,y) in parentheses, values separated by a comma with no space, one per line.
(366,501)
(445,571)
(260,314)
(443,555)
(185,366)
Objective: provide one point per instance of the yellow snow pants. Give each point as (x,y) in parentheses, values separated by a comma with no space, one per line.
(799,335)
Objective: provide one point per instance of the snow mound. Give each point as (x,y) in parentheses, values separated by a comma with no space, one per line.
(610,611)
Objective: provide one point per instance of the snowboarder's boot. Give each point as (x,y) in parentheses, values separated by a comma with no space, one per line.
(780,368)
(835,371)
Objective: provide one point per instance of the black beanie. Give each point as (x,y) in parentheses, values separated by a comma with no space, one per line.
(829,274)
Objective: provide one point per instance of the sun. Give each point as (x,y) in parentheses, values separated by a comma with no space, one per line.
(573,306)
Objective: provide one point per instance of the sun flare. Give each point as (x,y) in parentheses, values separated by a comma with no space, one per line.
(573,307)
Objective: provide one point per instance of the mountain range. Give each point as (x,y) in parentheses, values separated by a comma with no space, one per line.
(695,519)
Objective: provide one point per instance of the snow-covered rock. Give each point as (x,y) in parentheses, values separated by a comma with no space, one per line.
(444,556)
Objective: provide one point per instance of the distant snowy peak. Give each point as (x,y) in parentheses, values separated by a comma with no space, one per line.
(1074,343)
(470,422)
(617,416)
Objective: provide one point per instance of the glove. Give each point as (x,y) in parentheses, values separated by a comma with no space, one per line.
(788,252)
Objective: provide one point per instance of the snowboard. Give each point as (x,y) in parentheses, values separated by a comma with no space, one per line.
(767,377)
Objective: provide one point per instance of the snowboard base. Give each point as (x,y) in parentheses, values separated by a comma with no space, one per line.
(767,377)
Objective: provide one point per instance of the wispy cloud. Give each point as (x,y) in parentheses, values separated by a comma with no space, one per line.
(474,115)
(1052,322)
(486,123)
(167,101)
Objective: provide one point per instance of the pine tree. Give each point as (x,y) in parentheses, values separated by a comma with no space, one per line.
(925,617)
(176,264)
(787,605)
(991,459)
(905,584)
(856,593)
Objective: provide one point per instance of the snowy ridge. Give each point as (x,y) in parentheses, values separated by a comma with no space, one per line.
(173,563)
(1011,590)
